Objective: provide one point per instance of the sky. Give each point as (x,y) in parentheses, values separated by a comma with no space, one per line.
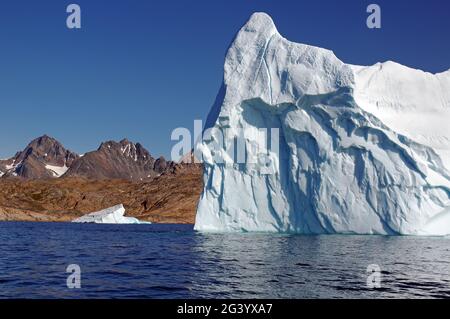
(139,69)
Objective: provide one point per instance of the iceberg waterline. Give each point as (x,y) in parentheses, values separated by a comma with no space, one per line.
(343,167)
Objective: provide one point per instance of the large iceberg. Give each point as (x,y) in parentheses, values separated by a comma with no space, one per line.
(361,150)
(111,215)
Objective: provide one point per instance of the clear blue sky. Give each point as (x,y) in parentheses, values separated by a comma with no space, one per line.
(138,69)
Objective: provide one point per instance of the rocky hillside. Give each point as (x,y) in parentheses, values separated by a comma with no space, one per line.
(46,182)
(169,198)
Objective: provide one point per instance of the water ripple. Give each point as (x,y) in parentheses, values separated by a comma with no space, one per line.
(173,261)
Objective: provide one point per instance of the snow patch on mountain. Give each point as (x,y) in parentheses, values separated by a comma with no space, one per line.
(57,171)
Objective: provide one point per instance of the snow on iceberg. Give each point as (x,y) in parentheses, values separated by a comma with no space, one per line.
(344,165)
(112,215)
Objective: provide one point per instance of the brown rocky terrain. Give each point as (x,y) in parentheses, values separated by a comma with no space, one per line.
(169,198)
(46,182)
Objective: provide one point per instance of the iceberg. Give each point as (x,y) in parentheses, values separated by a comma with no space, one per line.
(361,150)
(111,215)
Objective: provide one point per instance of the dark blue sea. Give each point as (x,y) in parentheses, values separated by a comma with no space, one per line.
(173,261)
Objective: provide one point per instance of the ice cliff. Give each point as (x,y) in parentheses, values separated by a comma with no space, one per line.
(361,150)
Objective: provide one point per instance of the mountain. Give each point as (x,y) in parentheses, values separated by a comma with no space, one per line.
(119,160)
(355,150)
(44,157)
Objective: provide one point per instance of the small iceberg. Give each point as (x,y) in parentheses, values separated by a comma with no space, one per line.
(111,215)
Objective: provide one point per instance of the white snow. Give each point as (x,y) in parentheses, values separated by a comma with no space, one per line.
(57,171)
(362,149)
(129,150)
(409,101)
(112,215)
(11,166)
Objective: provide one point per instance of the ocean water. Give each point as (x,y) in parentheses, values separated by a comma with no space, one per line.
(173,261)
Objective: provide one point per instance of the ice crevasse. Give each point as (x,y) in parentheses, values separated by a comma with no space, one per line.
(362,150)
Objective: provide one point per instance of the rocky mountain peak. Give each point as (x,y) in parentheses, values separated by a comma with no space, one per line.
(119,160)
(43,157)
(126,149)
(49,151)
